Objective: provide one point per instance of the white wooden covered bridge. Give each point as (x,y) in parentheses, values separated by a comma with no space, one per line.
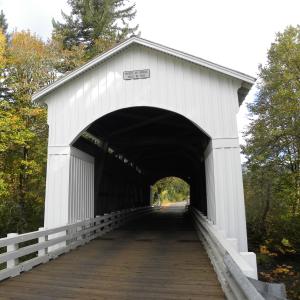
(133,115)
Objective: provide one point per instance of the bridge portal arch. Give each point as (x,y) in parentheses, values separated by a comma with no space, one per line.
(147,111)
(134,147)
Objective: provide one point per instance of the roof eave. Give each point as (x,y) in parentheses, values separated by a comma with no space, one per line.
(243,92)
(44,91)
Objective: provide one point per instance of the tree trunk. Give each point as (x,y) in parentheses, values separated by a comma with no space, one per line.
(266,210)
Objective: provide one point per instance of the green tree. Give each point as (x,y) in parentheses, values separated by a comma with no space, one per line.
(3,45)
(3,22)
(94,25)
(272,148)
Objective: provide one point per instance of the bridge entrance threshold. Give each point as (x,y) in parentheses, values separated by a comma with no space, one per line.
(157,256)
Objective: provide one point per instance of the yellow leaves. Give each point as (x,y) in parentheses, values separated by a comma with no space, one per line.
(13,130)
(3,186)
(30,64)
(37,111)
(30,166)
(285,247)
(2,50)
(102,45)
(264,250)
(273,254)
(283,270)
(25,46)
(279,274)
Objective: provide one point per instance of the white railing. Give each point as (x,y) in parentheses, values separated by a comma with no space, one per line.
(45,244)
(228,264)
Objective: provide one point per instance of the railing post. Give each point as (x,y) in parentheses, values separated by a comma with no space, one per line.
(117,219)
(87,226)
(83,234)
(106,219)
(112,220)
(42,239)
(97,231)
(122,214)
(13,247)
(78,229)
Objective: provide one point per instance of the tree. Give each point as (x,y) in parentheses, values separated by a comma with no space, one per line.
(2,51)
(273,137)
(4,36)
(94,25)
(3,22)
(23,133)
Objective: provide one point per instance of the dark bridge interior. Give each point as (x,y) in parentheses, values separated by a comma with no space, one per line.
(135,147)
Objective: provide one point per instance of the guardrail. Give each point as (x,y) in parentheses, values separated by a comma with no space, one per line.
(25,251)
(229,265)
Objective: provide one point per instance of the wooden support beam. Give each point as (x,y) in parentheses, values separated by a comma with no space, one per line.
(140,124)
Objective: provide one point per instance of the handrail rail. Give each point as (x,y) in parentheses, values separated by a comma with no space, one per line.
(242,281)
(234,282)
(56,241)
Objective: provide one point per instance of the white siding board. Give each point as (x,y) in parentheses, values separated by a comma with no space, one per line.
(81,196)
(210,185)
(57,193)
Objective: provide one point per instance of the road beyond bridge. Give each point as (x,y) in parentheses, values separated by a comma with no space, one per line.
(158,256)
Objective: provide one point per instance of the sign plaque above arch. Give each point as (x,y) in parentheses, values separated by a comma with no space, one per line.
(136,74)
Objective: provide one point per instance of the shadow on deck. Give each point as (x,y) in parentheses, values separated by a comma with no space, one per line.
(157,256)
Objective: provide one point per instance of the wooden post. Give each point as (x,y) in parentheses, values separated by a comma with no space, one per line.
(10,248)
(106,219)
(83,236)
(98,221)
(78,229)
(42,239)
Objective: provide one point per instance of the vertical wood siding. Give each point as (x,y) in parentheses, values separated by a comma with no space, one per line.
(70,186)
(210,185)
(57,190)
(207,98)
(228,187)
(81,186)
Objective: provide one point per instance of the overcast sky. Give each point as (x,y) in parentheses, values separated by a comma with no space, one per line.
(233,33)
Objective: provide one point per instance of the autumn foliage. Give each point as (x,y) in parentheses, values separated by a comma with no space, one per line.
(272,170)
(27,63)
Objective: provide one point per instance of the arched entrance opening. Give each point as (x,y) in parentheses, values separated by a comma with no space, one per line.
(134,147)
(170,191)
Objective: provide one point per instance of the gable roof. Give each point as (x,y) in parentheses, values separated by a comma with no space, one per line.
(248,80)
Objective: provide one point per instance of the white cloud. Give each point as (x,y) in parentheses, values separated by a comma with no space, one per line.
(35,15)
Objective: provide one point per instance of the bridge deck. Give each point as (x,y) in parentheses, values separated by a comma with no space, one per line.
(156,257)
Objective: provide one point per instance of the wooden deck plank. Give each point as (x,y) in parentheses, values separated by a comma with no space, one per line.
(156,257)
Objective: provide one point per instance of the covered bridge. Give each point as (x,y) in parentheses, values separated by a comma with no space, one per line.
(138,113)
(131,116)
